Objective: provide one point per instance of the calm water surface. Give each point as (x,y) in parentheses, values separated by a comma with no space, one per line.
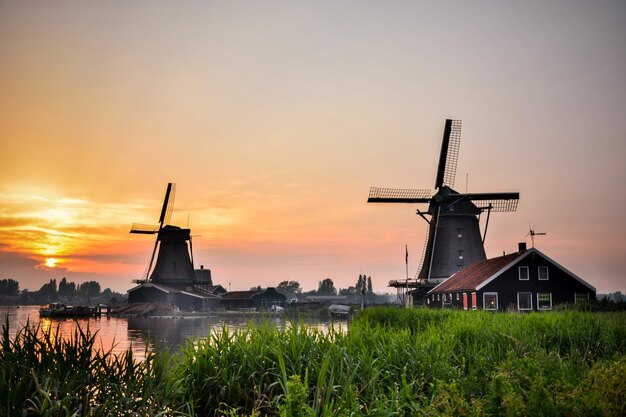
(138,333)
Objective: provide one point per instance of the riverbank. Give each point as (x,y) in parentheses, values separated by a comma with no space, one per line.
(161,310)
(390,362)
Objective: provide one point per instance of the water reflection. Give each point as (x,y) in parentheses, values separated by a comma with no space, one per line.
(119,334)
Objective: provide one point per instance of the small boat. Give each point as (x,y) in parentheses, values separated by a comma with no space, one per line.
(60,310)
(339,310)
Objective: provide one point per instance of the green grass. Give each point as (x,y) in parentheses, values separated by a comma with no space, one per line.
(391,362)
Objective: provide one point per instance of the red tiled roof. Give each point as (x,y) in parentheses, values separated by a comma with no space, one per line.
(470,277)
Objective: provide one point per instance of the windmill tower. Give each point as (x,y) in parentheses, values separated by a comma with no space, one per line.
(454,238)
(174,262)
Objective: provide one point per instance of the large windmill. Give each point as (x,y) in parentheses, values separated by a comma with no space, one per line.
(174,262)
(454,238)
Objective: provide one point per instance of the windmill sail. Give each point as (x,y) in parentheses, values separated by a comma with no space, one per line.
(449,156)
(399,195)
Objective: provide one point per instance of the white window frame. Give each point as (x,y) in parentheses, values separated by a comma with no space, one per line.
(459,232)
(544,308)
(530,298)
(586,293)
(460,254)
(539,273)
(519,273)
(457,296)
(485,303)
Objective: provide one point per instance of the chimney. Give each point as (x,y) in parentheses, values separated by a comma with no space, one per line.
(201,266)
(521,247)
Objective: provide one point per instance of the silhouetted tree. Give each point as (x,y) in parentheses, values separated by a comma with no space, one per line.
(89,289)
(49,290)
(289,288)
(370,290)
(327,287)
(67,290)
(9,287)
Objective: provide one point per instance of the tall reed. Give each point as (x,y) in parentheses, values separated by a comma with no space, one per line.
(414,362)
(45,374)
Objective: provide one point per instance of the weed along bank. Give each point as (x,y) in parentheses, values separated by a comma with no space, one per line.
(527,280)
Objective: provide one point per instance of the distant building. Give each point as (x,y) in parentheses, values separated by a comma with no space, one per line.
(259,299)
(150,292)
(527,280)
(327,299)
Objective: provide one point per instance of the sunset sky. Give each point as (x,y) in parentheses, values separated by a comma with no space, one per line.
(274,118)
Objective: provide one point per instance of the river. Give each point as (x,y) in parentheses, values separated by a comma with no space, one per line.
(120,333)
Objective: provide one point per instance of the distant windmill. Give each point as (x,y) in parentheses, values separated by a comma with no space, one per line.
(532,234)
(174,263)
(454,238)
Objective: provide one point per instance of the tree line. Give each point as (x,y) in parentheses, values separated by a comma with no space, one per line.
(362,288)
(66,291)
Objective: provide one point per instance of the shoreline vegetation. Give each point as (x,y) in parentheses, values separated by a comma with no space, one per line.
(391,362)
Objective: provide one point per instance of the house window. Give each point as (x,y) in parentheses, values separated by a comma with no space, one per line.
(523,273)
(474,304)
(464,301)
(581,297)
(459,233)
(460,254)
(544,301)
(543,273)
(524,301)
(438,297)
(490,301)
(457,296)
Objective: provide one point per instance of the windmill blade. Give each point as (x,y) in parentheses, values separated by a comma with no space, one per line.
(145,229)
(168,205)
(499,202)
(399,195)
(156,243)
(449,156)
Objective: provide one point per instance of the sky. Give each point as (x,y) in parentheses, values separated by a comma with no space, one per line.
(274,119)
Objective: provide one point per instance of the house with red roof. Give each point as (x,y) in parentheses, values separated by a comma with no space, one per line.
(527,280)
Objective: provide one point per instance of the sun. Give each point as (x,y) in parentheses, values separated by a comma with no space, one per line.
(51,262)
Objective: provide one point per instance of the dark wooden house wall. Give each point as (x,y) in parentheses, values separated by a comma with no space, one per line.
(440,302)
(268,298)
(560,284)
(186,302)
(147,295)
(236,304)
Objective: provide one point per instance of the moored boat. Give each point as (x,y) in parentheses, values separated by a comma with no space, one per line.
(60,310)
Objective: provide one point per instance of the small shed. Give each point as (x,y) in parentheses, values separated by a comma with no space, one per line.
(522,281)
(259,299)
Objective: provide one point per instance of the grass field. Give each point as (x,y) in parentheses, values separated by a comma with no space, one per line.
(391,362)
